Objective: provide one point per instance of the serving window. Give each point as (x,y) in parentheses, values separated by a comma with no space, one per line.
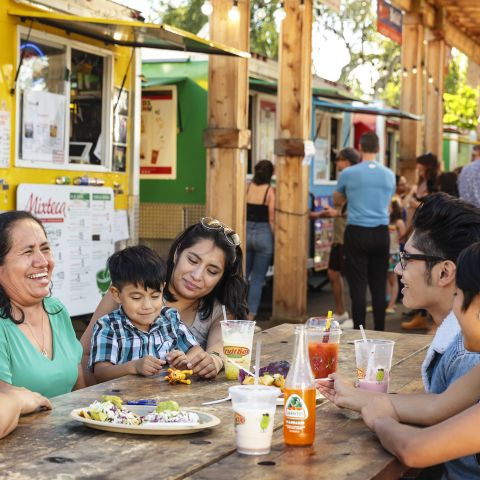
(64,100)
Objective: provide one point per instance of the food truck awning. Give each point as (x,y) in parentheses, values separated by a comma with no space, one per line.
(267,86)
(129,33)
(368,109)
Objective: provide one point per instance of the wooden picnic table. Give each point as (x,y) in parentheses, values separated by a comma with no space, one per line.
(50,445)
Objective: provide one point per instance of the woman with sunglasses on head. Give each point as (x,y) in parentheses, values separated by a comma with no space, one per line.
(204,273)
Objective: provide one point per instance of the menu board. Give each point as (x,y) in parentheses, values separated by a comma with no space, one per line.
(79,224)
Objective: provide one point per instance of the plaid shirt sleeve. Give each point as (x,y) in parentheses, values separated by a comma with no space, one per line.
(104,346)
(183,338)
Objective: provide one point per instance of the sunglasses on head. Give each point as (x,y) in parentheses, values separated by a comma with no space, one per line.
(211,223)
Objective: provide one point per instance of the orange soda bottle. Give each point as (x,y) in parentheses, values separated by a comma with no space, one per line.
(300,404)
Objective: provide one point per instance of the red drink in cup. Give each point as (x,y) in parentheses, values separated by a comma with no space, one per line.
(323,342)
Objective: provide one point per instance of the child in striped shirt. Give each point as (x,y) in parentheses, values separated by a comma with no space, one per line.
(142,335)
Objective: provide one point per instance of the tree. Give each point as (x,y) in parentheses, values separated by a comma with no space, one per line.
(460,101)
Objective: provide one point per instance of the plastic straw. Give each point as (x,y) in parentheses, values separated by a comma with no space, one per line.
(329,320)
(224,312)
(370,367)
(257,361)
(362,331)
(233,362)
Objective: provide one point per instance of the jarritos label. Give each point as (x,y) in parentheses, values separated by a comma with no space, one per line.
(295,408)
(236,352)
(238,419)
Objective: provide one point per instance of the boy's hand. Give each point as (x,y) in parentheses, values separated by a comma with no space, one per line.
(202,363)
(177,359)
(148,365)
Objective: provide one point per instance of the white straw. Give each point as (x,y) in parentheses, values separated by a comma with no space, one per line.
(257,361)
(233,362)
(224,312)
(370,368)
(362,331)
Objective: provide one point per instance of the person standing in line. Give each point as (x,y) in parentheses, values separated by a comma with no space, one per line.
(336,263)
(368,188)
(469,179)
(260,217)
(396,230)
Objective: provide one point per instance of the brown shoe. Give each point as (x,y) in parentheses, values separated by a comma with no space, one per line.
(418,322)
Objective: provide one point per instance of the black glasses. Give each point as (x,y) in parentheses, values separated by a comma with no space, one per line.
(405,257)
(211,223)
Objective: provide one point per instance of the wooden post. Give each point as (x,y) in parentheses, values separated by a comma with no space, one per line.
(227,138)
(411,93)
(473,80)
(434,96)
(291,216)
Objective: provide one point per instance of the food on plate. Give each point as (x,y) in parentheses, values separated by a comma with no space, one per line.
(107,411)
(273,374)
(112,410)
(178,376)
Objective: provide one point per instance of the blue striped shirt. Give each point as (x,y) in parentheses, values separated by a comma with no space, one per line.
(116,340)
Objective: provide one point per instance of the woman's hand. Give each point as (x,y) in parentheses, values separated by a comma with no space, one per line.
(378,407)
(177,359)
(30,401)
(202,363)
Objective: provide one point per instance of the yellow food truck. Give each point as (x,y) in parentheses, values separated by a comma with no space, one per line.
(70,104)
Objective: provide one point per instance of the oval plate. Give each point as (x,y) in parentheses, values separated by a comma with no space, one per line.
(206,421)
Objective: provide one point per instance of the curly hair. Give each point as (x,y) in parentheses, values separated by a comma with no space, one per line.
(231,290)
(263,172)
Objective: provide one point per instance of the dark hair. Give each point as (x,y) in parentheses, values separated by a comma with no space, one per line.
(396,211)
(468,274)
(476,148)
(430,162)
(349,154)
(447,182)
(263,172)
(138,265)
(231,290)
(369,142)
(7,223)
(444,226)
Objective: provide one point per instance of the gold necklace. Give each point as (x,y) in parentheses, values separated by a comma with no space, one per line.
(43,350)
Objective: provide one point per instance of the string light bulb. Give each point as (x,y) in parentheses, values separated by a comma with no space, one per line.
(414,69)
(280,14)
(405,72)
(207,8)
(234,13)
(430,79)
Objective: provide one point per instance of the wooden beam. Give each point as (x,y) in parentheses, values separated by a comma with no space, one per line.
(226,137)
(294,113)
(411,92)
(434,97)
(456,38)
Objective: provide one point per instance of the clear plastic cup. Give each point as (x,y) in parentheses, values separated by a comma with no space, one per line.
(254,413)
(374,362)
(323,345)
(237,336)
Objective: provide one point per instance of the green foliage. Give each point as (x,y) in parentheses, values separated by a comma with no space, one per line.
(263,32)
(187,15)
(355,25)
(456,75)
(460,108)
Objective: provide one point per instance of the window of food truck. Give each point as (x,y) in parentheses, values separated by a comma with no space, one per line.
(64,108)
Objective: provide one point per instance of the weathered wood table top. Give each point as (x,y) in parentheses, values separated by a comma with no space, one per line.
(50,445)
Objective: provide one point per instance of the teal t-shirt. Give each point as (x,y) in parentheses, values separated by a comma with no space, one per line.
(22,365)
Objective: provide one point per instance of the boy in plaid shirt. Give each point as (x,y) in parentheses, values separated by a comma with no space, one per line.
(142,335)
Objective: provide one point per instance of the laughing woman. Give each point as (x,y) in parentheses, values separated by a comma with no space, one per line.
(38,346)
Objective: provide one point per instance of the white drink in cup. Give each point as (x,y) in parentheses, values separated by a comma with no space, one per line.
(374,361)
(254,411)
(237,336)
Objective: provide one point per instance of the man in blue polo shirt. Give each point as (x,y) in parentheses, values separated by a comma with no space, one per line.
(368,188)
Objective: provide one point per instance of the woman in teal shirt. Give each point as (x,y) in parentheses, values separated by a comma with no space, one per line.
(38,346)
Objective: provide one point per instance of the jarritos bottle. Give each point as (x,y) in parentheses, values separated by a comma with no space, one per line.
(299,393)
